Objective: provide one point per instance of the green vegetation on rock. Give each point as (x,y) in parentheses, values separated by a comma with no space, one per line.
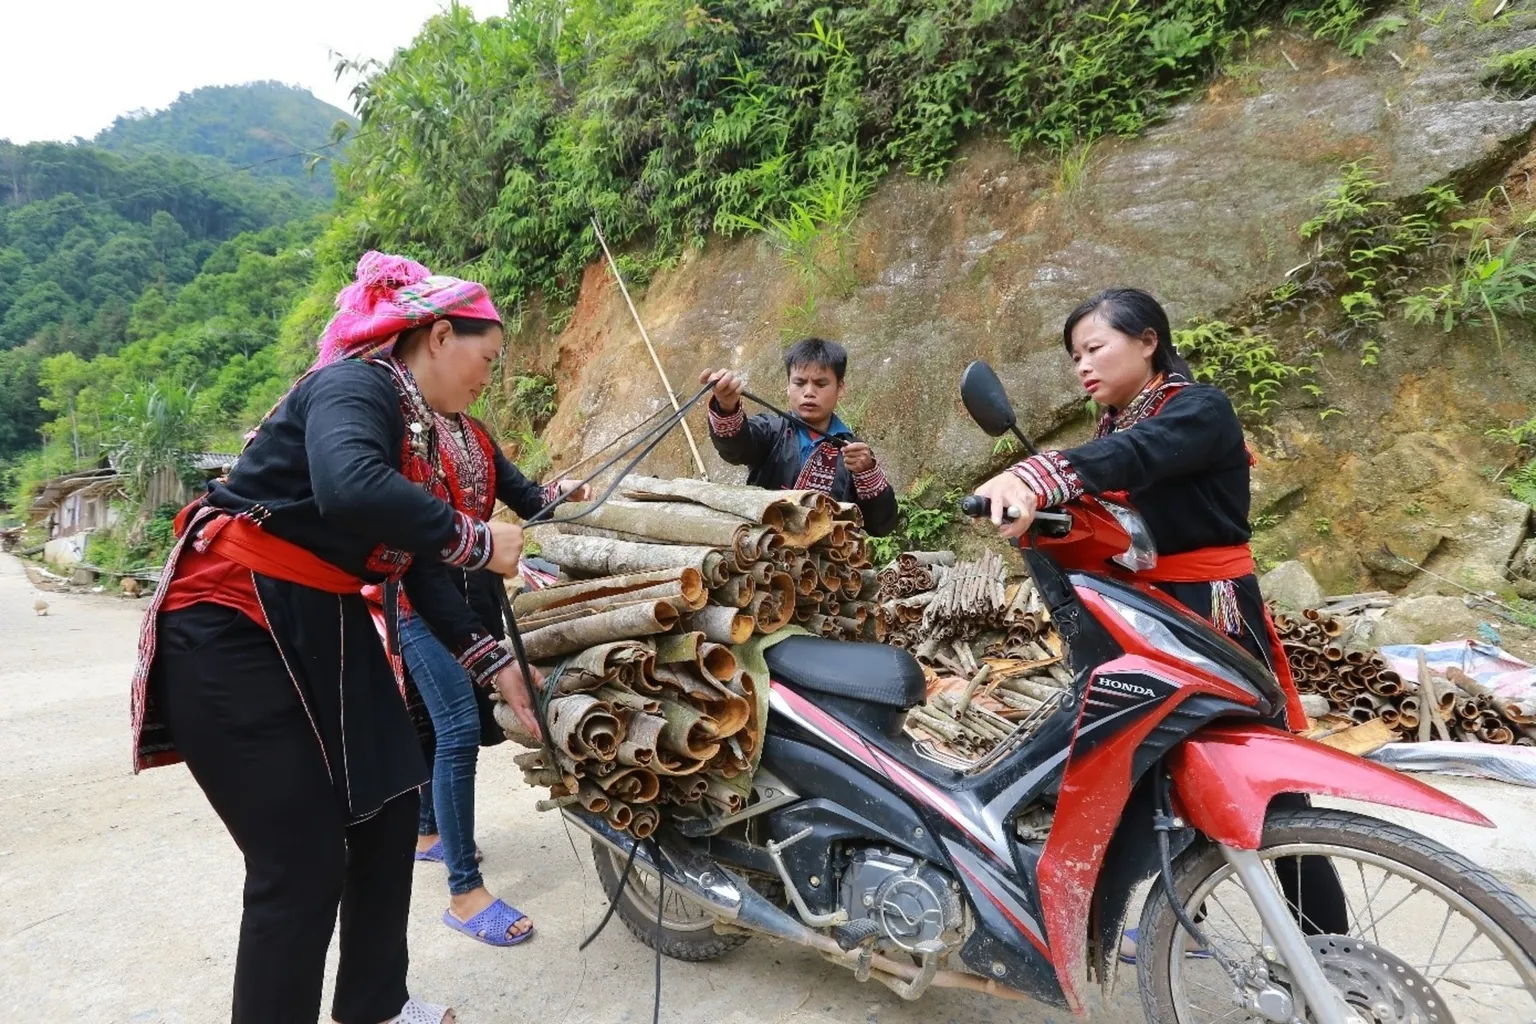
(1514,73)
(1241,361)
(927,520)
(492,144)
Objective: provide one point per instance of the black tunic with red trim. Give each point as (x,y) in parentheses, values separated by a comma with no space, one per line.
(1178,452)
(337,470)
(770,446)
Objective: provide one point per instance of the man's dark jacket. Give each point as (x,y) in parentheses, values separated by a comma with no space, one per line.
(769,446)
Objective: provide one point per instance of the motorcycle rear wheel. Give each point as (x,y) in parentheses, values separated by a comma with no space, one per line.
(1381,869)
(687,930)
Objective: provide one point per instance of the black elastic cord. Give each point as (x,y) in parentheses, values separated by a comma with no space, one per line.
(836,442)
(614,902)
(516,636)
(661,902)
(634,429)
(650,439)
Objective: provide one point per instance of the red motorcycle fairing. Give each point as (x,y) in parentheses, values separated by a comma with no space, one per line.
(1225,777)
(1100,773)
(1128,698)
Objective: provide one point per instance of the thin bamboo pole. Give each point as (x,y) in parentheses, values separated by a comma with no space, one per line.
(655,359)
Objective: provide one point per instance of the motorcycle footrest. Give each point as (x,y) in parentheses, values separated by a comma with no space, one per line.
(855,933)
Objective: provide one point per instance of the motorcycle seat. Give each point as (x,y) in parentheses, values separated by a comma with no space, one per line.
(872,673)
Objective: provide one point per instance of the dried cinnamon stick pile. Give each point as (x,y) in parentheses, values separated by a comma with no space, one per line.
(1361,686)
(945,611)
(650,708)
(638,725)
(927,598)
(763,558)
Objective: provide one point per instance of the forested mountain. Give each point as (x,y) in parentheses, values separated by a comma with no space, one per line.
(102,249)
(209,345)
(82,230)
(272,128)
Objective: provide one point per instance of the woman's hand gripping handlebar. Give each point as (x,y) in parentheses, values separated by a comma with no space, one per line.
(1016,520)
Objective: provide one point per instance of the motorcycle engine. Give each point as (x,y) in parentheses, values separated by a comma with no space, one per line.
(909,899)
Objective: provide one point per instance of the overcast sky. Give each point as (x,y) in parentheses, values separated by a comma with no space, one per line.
(71,66)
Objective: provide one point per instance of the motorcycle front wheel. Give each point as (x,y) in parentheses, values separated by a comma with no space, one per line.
(1408,930)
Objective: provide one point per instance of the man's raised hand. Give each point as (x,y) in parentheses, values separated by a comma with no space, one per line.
(728,387)
(858,457)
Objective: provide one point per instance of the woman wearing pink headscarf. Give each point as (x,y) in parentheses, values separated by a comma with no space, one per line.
(259,664)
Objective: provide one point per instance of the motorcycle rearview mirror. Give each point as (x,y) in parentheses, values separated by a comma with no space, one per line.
(987,402)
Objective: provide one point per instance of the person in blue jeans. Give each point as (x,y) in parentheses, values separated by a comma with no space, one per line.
(476,474)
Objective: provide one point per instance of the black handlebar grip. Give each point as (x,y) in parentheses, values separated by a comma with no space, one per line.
(976,506)
(979,506)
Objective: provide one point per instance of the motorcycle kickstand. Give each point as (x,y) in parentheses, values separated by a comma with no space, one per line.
(1321,997)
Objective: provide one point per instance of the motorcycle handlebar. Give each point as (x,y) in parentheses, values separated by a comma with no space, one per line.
(1053,524)
(977,506)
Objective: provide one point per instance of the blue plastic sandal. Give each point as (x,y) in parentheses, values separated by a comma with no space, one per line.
(491,925)
(1130,958)
(435,853)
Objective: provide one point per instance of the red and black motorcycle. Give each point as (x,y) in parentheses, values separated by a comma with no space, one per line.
(1169,761)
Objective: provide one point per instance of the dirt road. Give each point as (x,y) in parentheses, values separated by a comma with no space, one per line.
(120,895)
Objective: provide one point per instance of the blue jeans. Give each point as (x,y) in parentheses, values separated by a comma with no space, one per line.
(449,696)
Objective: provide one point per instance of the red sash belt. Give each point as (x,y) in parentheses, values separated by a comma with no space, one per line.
(1211,565)
(246,544)
(1203,565)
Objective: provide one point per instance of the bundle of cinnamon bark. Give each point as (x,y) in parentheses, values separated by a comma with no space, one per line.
(648,706)
(636,725)
(992,657)
(1361,687)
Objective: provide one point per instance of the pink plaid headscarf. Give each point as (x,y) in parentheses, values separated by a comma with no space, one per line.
(393,294)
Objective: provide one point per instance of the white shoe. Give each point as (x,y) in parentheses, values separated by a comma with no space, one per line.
(417,1012)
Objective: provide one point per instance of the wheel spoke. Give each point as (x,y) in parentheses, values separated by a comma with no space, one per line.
(1208,988)
(1299,907)
(1455,957)
(1467,963)
(1375,925)
(1411,893)
(1488,984)
(1241,933)
(1235,1009)
(1440,937)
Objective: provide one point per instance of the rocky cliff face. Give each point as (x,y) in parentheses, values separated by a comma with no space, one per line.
(1204,212)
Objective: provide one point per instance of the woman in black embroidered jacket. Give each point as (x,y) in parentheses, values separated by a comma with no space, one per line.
(260,664)
(1176,448)
(1173,445)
